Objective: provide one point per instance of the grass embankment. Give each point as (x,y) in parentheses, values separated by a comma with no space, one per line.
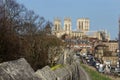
(94,75)
(56,67)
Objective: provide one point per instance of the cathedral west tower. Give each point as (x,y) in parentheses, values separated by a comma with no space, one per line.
(57,24)
(67,25)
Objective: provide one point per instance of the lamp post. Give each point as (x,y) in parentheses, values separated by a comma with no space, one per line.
(119,44)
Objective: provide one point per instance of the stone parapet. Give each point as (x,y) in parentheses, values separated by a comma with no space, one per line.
(21,70)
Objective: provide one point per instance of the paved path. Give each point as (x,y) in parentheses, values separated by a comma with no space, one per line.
(83,75)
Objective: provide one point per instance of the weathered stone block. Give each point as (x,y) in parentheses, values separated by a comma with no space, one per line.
(45,73)
(62,74)
(17,70)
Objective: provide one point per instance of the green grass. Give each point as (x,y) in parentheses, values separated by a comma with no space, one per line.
(56,67)
(94,75)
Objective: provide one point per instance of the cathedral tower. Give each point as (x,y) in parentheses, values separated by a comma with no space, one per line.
(57,24)
(67,25)
(83,24)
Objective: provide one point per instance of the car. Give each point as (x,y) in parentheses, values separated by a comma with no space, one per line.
(101,68)
(112,70)
(117,71)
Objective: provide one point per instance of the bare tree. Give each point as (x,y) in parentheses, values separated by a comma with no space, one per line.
(24,34)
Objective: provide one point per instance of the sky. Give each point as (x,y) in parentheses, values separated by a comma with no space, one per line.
(103,14)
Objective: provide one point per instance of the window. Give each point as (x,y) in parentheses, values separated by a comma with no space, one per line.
(82,25)
(65,26)
(69,26)
(58,26)
(79,25)
(55,26)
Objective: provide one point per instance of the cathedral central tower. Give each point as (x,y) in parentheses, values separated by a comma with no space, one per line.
(83,24)
(67,25)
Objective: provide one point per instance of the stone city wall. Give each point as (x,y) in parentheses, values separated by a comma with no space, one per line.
(21,70)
